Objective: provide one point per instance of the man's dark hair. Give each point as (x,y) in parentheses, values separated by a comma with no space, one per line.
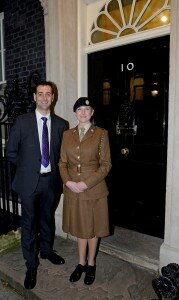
(44,83)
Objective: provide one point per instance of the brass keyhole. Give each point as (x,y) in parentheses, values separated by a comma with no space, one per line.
(125,151)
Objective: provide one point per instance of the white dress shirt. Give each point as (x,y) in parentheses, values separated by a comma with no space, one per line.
(40,127)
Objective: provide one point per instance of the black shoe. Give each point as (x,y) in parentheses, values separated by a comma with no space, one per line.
(90,274)
(53,258)
(30,279)
(76,275)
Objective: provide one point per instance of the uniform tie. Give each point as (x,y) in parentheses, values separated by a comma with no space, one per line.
(45,143)
(82,133)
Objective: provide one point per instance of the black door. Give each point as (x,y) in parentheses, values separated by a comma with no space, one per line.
(129,85)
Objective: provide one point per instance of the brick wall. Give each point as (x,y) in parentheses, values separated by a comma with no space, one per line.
(24,38)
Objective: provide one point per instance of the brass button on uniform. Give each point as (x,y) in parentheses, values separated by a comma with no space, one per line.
(79,169)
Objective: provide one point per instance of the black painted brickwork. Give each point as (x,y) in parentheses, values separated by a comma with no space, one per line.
(24,38)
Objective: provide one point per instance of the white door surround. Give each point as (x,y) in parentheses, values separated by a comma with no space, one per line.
(66,58)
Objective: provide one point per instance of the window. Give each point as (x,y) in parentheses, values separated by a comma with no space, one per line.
(2,50)
(118,18)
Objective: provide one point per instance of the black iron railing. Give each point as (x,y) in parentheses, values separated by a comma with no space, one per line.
(17,99)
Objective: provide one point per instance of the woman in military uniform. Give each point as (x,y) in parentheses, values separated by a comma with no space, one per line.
(84,164)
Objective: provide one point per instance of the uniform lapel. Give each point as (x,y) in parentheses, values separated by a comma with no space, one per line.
(76,134)
(89,133)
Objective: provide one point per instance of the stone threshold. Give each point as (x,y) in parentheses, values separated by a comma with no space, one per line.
(134,247)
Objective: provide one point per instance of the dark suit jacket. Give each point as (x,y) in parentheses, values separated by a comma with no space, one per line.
(23,150)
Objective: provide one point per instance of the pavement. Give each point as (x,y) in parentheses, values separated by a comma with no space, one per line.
(8,293)
(126,264)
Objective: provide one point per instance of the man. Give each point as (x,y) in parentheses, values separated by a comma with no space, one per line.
(34,147)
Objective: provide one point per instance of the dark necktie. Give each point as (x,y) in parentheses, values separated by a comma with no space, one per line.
(45,143)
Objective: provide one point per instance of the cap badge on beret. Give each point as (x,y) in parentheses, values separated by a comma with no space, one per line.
(82,101)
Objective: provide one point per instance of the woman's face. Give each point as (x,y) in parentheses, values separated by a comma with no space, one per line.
(84,114)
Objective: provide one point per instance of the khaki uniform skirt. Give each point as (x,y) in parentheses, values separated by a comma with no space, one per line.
(86,218)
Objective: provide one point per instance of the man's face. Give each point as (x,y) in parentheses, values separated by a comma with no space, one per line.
(43,98)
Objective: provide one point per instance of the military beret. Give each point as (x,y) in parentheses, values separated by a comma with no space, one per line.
(82,101)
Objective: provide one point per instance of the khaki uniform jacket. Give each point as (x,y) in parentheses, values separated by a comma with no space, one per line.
(88,161)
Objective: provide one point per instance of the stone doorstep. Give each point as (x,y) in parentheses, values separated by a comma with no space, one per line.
(133,247)
(129,257)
